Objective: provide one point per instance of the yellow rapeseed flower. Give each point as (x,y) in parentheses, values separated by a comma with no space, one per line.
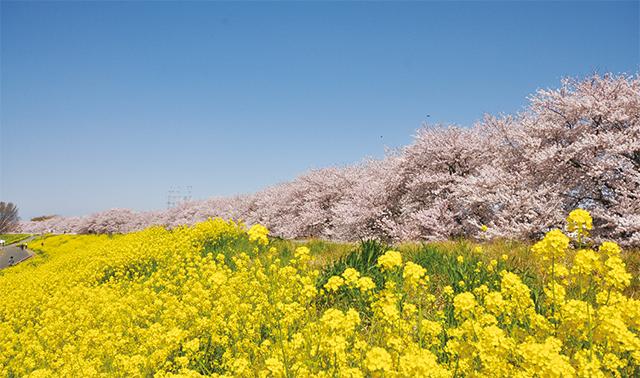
(585,262)
(390,260)
(448,291)
(413,273)
(351,276)
(579,221)
(609,249)
(258,232)
(158,302)
(552,247)
(334,283)
(464,302)
(365,284)
(378,359)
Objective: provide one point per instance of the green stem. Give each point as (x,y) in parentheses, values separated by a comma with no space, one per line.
(274,303)
(553,286)
(590,338)
(455,372)
(420,323)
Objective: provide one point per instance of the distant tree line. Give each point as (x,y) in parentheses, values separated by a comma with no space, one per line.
(43,218)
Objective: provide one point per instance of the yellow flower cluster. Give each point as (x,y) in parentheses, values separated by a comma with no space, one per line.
(552,248)
(580,222)
(414,274)
(158,303)
(351,278)
(258,232)
(390,260)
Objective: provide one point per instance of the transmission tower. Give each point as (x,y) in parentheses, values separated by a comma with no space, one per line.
(175,196)
(170,201)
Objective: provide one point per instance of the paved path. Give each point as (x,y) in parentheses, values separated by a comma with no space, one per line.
(18,254)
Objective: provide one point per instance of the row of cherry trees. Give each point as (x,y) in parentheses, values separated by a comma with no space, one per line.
(519,174)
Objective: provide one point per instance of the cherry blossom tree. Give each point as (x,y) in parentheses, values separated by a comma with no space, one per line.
(519,174)
(580,148)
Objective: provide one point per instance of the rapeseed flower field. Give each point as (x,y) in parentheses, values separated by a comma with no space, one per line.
(218,299)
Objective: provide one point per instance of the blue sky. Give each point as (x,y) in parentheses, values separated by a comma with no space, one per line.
(109,104)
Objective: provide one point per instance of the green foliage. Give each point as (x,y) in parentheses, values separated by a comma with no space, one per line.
(456,265)
(631,258)
(228,244)
(459,265)
(364,259)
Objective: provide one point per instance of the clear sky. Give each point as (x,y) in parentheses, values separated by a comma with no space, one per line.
(110,104)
